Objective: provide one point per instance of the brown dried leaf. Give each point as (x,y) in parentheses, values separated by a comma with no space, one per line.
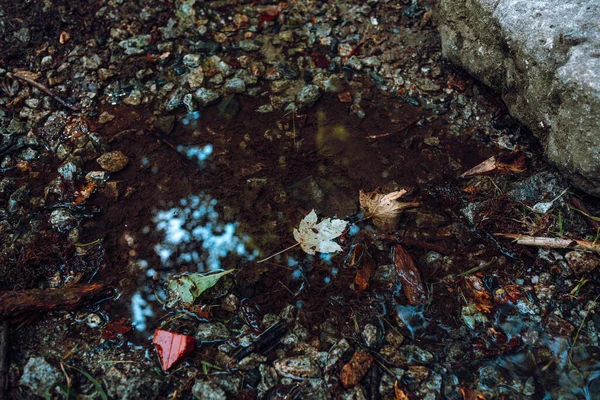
(356,369)
(364,272)
(412,284)
(399,393)
(383,208)
(85,192)
(476,291)
(501,164)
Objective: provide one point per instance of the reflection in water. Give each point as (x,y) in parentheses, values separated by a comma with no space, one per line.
(140,310)
(194,235)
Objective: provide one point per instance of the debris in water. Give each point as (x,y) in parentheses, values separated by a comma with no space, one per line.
(412,284)
(501,164)
(186,288)
(383,208)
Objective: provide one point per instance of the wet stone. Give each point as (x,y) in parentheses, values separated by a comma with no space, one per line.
(113,161)
(195,78)
(97,177)
(300,367)
(394,338)
(427,85)
(249,45)
(417,373)
(268,377)
(230,303)
(308,95)
(17,197)
(212,331)
(235,85)
(192,60)
(136,45)
(91,62)
(204,390)
(68,170)
(28,154)
(582,263)
(369,334)
(165,124)
(39,375)
(62,220)
(15,126)
(206,97)
(287,70)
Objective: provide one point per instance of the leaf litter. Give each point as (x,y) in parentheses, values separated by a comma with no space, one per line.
(383,208)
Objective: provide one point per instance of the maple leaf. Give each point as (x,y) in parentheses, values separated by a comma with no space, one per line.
(383,208)
(314,237)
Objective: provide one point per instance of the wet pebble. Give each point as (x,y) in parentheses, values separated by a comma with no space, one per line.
(230,303)
(581,263)
(204,390)
(68,170)
(211,331)
(113,161)
(206,96)
(394,338)
(300,367)
(336,353)
(370,335)
(136,45)
(235,85)
(308,95)
(62,220)
(195,78)
(38,375)
(268,377)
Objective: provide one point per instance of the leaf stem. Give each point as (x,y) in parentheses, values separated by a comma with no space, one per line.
(278,253)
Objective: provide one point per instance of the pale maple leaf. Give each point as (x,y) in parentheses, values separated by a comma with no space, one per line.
(383,208)
(315,237)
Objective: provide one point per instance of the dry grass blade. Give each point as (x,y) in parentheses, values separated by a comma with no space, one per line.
(553,243)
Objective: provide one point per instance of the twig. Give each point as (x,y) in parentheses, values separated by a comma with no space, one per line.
(68,298)
(4,360)
(45,90)
(554,243)
(410,125)
(579,206)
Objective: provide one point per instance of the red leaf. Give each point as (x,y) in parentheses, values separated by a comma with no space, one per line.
(115,328)
(172,347)
(412,284)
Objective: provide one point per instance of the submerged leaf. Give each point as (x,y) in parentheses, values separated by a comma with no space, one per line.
(383,208)
(186,288)
(501,164)
(412,284)
(315,237)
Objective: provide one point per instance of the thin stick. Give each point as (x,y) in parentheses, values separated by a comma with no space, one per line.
(410,125)
(276,254)
(45,90)
(554,243)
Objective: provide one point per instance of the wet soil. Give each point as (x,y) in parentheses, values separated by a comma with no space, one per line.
(227,187)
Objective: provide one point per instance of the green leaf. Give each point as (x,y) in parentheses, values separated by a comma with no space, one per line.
(187,288)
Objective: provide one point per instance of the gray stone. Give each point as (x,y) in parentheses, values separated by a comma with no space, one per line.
(308,95)
(38,375)
(211,332)
(136,45)
(192,60)
(165,124)
(91,62)
(62,220)
(195,78)
(542,56)
(249,45)
(206,97)
(235,85)
(15,126)
(113,161)
(204,390)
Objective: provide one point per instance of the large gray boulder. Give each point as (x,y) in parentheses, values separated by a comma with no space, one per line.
(543,57)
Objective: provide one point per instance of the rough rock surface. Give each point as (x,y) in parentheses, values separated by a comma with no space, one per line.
(544,58)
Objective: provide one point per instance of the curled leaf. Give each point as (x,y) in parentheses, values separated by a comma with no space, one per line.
(172,347)
(501,164)
(186,288)
(383,208)
(315,237)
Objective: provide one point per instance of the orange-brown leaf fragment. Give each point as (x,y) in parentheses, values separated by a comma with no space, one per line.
(364,272)
(476,291)
(468,394)
(501,164)
(356,369)
(85,192)
(399,393)
(412,284)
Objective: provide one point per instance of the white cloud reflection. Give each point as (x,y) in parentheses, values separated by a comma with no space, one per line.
(194,234)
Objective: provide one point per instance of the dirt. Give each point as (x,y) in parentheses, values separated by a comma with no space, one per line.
(253,177)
